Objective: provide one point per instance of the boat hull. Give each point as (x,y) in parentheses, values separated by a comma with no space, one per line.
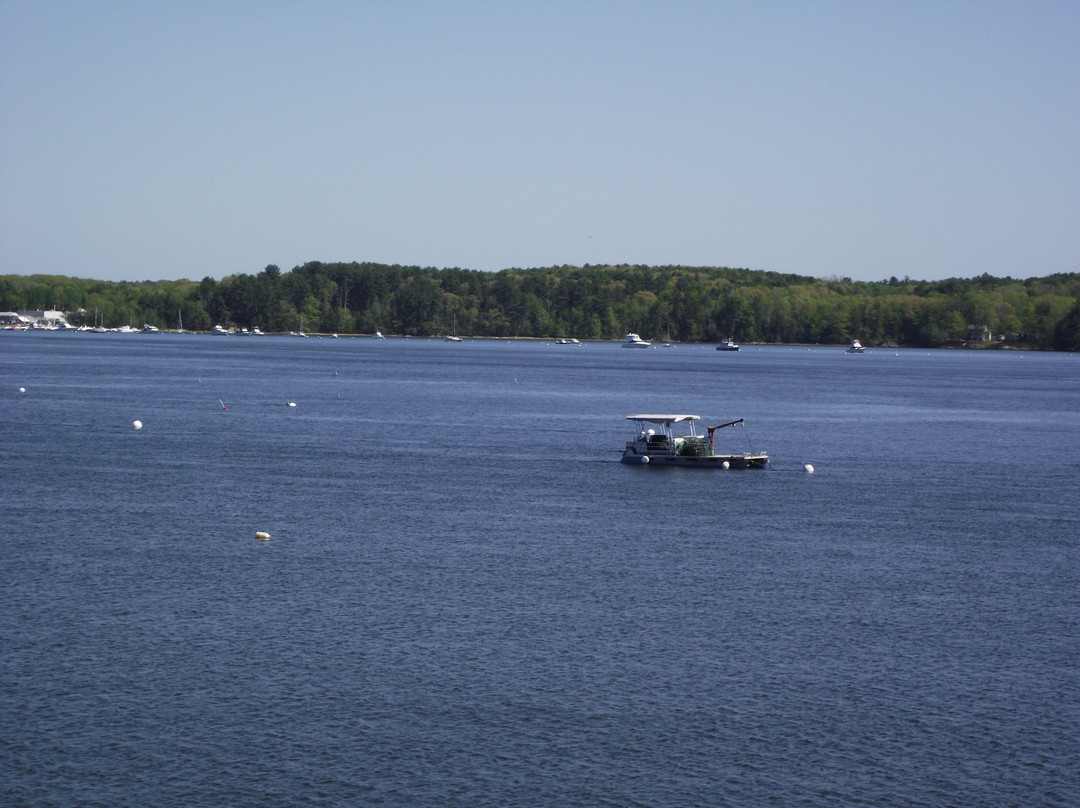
(716,461)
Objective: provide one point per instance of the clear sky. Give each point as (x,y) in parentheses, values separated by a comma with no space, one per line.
(153,139)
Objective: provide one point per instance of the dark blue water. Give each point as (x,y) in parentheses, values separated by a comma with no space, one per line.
(468,600)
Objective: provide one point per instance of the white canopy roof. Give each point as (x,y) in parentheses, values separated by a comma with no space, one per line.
(663,419)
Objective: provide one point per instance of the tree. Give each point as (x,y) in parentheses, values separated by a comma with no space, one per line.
(689,303)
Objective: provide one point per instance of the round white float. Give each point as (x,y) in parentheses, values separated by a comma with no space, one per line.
(137,424)
(808,469)
(22,389)
(262,535)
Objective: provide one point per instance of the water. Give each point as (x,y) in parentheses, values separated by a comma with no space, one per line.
(468,600)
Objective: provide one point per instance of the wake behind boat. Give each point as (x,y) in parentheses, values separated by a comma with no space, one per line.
(666,447)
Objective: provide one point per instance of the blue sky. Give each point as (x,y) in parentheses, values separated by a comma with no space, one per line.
(166,140)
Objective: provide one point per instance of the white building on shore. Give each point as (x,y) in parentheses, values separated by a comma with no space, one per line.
(39,319)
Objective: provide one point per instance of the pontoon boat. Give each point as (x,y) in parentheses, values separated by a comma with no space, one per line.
(666,447)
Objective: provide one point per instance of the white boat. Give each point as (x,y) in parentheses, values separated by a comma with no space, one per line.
(855,347)
(379,335)
(727,346)
(667,446)
(255,332)
(454,337)
(218,330)
(632,340)
(150,329)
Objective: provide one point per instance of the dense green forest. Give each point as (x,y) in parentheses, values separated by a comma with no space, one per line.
(686,304)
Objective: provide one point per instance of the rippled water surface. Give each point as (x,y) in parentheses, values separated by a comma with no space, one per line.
(468,600)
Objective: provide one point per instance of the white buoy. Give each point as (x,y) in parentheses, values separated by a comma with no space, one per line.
(137,424)
(22,389)
(725,465)
(292,403)
(808,469)
(262,535)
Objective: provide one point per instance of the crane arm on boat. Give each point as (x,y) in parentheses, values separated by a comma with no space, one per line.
(712,429)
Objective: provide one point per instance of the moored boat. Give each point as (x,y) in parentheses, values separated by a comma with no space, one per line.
(667,446)
(855,347)
(729,345)
(453,337)
(632,340)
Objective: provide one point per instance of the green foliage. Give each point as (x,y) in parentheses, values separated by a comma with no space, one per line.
(589,302)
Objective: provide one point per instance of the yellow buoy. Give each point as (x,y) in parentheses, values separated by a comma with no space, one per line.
(261,536)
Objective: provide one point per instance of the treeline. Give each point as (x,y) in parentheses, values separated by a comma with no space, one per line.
(688,304)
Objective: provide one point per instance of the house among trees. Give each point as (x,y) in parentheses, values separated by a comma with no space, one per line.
(43,317)
(979,333)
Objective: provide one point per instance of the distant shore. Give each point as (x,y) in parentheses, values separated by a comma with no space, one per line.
(956,344)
